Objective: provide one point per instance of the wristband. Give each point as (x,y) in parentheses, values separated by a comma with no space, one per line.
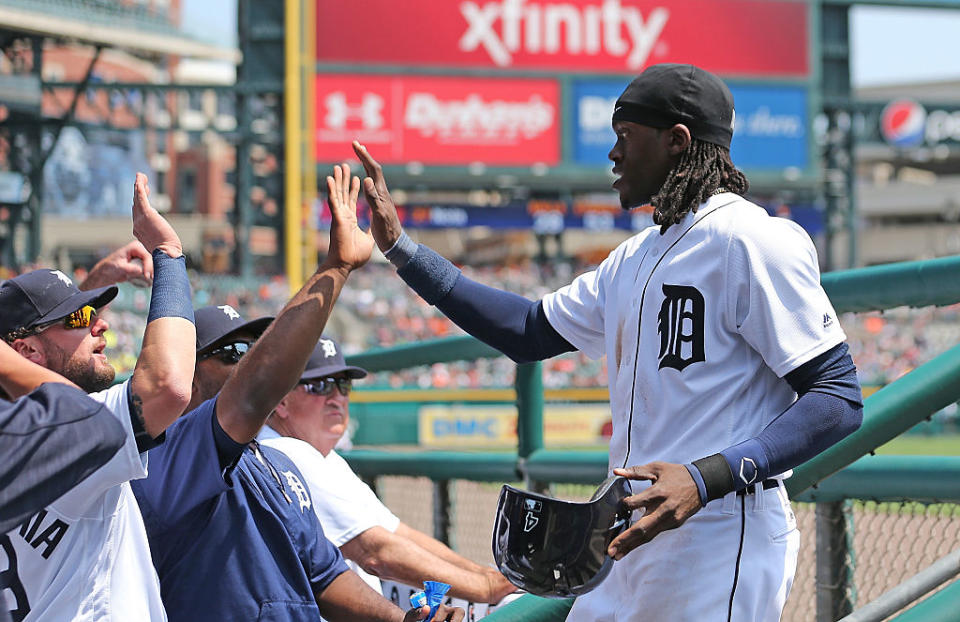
(402,250)
(171,288)
(698,480)
(717,478)
(429,274)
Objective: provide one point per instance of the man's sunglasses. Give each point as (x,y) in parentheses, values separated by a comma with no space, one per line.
(324,386)
(81,318)
(229,353)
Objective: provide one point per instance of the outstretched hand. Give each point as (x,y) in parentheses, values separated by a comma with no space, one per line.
(350,247)
(668,503)
(149,227)
(384,221)
(130,263)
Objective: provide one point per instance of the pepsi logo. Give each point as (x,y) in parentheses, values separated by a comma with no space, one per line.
(902,123)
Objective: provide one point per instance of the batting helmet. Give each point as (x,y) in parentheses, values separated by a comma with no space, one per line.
(555,548)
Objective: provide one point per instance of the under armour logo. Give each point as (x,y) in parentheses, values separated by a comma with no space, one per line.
(298,489)
(230,312)
(339,111)
(748,470)
(680,324)
(329,349)
(63,277)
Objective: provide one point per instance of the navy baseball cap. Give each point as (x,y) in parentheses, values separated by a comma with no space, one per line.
(327,360)
(43,296)
(670,93)
(216,323)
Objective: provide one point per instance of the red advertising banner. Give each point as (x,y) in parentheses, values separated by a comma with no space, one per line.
(439,120)
(729,37)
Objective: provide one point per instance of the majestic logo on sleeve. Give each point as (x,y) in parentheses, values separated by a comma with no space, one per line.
(680,324)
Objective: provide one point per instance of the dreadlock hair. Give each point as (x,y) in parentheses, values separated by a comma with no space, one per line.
(703,169)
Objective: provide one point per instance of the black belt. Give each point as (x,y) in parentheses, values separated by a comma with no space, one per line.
(767,484)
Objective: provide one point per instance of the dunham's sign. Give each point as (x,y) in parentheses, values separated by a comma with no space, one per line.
(730,37)
(441,121)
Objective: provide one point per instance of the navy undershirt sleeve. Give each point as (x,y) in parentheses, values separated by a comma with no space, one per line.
(829,407)
(510,323)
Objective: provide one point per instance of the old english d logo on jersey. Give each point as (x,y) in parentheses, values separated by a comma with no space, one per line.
(680,324)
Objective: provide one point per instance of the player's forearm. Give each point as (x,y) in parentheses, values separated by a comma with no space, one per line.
(508,322)
(348,599)
(161,382)
(397,558)
(438,548)
(19,376)
(273,366)
(828,409)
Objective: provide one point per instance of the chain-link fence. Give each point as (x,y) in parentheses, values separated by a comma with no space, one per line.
(891,541)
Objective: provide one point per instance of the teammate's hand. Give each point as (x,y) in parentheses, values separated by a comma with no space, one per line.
(128,263)
(149,226)
(384,221)
(668,502)
(443,614)
(350,247)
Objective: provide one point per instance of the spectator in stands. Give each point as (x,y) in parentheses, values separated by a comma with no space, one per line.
(306,425)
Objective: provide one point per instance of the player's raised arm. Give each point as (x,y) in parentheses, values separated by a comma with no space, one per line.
(160,385)
(510,323)
(275,362)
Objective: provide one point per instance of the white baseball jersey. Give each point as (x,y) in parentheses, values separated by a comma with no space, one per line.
(344,504)
(699,326)
(85,556)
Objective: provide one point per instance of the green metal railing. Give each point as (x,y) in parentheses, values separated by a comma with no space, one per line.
(887,414)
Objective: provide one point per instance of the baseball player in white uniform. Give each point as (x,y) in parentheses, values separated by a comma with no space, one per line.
(85,556)
(727,365)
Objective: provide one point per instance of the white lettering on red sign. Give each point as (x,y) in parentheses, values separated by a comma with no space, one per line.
(473,119)
(369,111)
(542,28)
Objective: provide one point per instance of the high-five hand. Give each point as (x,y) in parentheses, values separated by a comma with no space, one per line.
(384,222)
(149,226)
(350,247)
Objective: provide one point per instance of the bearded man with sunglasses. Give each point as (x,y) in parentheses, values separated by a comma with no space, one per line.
(230,523)
(306,425)
(85,556)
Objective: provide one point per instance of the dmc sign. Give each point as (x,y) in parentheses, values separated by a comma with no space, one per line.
(905,123)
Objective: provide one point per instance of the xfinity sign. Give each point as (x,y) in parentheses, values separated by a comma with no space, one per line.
(508,26)
(759,38)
